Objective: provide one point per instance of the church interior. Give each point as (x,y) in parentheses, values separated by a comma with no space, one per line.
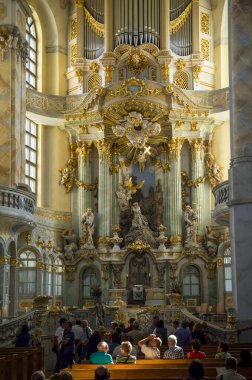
(126,154)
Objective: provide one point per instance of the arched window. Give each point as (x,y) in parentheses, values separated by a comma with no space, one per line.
(89,281)
(58,277)
(191,282)
(31,154)
(27,274)
(49,278)
(227,270)
(31,128)
(31,63)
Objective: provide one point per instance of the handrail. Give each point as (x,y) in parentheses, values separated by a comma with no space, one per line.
(17,199)
(221,193)
(219,333)
(8,329)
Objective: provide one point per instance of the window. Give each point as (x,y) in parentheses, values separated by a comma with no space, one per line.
(227,270)
(31,154)
(49,278)
(31,64)
(191,282)
(27,274)
(89,280)
(58,278)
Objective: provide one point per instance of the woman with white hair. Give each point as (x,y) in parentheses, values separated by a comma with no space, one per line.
(174,351)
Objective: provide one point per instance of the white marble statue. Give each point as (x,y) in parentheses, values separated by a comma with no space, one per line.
(190,219)
(139,220)
(88,227)
(70,244)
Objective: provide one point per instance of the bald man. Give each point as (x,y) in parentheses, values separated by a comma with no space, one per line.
(102,373)
(101,356)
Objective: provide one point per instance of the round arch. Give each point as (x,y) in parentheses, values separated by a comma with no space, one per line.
(89,277)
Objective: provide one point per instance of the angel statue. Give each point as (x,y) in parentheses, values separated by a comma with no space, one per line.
(191,219)
(88,227)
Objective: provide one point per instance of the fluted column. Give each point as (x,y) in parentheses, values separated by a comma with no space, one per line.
(197,172)
(104,192)
(195,27)
(13,292)
(40,278)
(80,28)
(240,188)
(175,196)
(108,25)
(84,192)
(165,187)
(165,24)
(114,169)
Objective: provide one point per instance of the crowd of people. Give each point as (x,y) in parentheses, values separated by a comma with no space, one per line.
(74,343)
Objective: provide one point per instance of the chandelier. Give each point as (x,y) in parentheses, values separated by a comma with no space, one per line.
(136,129)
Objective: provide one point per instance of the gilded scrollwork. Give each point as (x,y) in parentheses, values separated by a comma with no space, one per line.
(213,170)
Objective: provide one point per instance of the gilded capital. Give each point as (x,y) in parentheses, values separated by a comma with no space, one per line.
(84,149)
(104,148)
(196,146)
(175,145)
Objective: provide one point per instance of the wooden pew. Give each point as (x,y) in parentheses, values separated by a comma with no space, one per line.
(19,363)
(157,363)
(127,372)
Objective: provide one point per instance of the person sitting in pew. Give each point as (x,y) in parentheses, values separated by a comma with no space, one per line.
(101,356)
(196,353)
(66,375)
(152,350)
(102,373)
(245,358)
(174,351)
(196,371)
(231,368)
(222,351)
(125,357)
(134,351)
(38,375)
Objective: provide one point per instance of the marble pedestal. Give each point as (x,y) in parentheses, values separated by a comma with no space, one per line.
(155,296)
(116,294)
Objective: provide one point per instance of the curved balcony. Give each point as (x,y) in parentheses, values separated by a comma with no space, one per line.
(221,210)
(17,208)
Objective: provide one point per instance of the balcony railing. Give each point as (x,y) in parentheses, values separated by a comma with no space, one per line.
(221,210)
(17,199)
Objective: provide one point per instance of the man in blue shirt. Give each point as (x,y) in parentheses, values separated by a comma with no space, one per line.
(101,356)
(67,346)
(183,334)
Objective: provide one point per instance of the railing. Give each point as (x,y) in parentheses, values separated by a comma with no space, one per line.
(221,193)
(8,330)
(17,199)
(217,333)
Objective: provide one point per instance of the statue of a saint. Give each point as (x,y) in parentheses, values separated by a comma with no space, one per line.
(190,218)
(139,220)
(212,241)
(88,227)
(70,245)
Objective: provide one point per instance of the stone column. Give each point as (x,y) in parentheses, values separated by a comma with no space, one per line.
(84,191)
(165,25)
(80,28)
(104,192)
(40,278)
(114,169)
(13,293)
(197,173)
(175,196)
(108,25)
(195,27)
(240,177)
(165,184)
(4,283)
(13,54)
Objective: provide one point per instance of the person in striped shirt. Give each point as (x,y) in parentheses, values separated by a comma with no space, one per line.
(174,351)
